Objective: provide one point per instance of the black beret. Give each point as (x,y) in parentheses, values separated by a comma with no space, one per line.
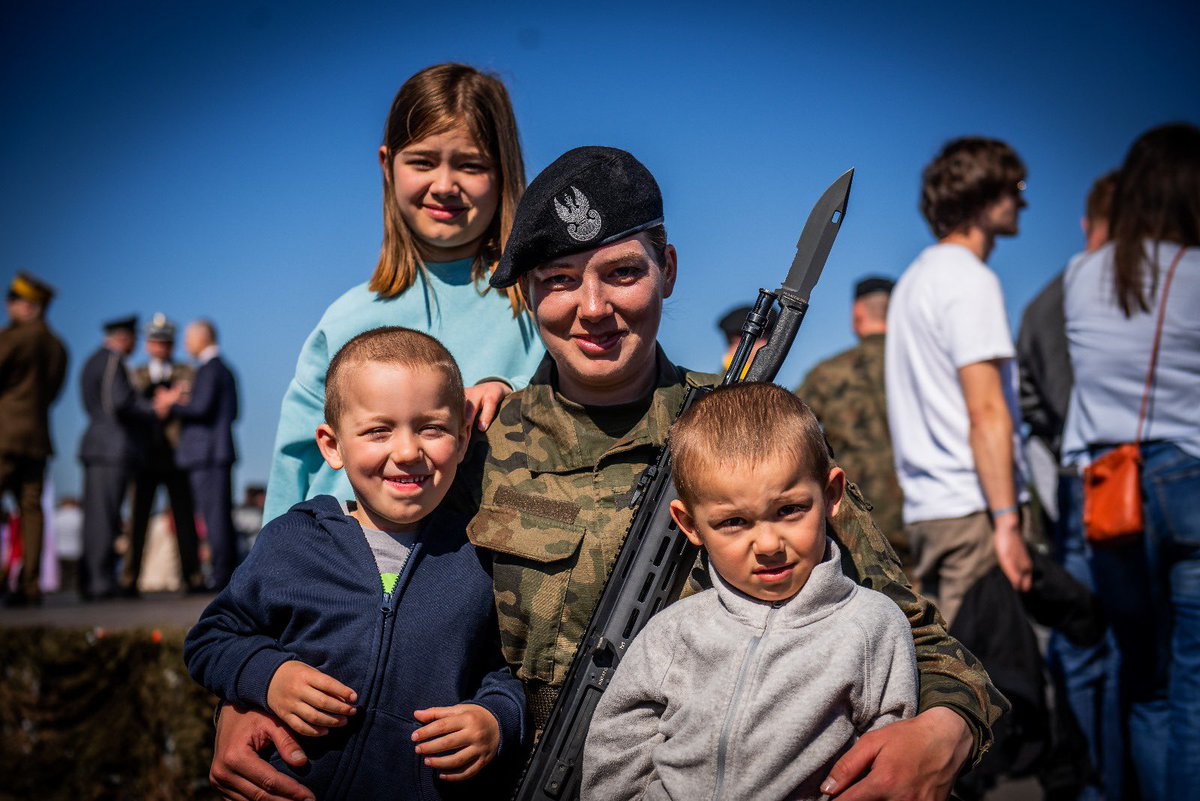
(589,197)
(122,324)
(731,323)
(872,284)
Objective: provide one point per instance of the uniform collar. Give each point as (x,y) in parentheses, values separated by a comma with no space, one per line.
(565,430)
(827,589)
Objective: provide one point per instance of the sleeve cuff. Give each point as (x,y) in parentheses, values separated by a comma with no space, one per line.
(255,677)
(981,734)
(510,719)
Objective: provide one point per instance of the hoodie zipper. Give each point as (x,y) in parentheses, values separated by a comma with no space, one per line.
(381,661)
(738,688)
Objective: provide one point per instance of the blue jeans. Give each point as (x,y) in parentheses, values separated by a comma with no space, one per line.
(1151,591)
(1086,678)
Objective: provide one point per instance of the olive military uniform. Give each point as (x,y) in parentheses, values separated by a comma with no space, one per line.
(33,363)
(847,395)
(554,510)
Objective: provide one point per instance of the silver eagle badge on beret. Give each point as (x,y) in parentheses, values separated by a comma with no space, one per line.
(583,222)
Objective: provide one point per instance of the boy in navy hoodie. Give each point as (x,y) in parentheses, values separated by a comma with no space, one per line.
(370,627)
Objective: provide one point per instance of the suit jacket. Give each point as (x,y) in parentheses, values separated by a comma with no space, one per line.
(163,436)
(117,414)
(206,439)
(33,364)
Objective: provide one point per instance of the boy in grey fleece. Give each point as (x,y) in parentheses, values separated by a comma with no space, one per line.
(754,688)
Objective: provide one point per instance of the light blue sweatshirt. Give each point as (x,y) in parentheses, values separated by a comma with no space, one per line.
(478,330)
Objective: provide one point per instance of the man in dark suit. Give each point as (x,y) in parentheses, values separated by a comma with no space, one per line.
(161,372)
(113,445)
(206,449)
(33,363)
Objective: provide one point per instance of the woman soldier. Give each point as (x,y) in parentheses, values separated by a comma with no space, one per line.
(590,255)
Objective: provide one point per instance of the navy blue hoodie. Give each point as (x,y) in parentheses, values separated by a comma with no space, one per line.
(310,590)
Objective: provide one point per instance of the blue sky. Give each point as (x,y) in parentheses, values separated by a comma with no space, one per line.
(218,158)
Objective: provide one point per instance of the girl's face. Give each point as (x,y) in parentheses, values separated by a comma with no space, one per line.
(447,190)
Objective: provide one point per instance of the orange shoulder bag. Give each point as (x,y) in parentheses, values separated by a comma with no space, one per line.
(1112,484)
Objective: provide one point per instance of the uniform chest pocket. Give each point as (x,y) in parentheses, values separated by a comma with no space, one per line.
(533,559)
(521,535)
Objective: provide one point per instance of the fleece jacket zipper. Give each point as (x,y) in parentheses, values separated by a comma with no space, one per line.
(738,688)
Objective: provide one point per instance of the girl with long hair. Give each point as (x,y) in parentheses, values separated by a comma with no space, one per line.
(452,177)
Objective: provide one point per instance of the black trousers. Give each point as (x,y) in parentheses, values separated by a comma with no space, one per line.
(24,478)
(212,489)
(179,492)
(104,488)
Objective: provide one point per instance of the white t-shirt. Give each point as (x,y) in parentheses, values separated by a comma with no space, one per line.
(946,312)
(1111,354)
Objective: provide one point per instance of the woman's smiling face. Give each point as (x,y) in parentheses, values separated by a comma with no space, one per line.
(598,313)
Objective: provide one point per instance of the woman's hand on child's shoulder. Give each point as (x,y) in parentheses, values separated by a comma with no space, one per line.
(468,730)
(309,701)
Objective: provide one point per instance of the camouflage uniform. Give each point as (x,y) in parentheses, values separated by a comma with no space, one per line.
(554,511)
(846,394)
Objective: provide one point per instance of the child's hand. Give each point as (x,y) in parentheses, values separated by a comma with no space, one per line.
(467,730)
(483,401)
(308,700)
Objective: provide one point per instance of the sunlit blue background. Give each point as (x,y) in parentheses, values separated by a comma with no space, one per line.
(218,158)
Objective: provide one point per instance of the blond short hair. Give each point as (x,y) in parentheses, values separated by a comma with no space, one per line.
(390,345)
(741,425)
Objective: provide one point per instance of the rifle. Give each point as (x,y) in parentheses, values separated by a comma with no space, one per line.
(654,560)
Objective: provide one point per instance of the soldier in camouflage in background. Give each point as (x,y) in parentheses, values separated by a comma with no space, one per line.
(846,393)
(590,252)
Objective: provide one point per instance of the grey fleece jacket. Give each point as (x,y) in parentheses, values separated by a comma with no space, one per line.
(723,696)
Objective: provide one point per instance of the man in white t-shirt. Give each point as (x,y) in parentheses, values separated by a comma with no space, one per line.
(951,379)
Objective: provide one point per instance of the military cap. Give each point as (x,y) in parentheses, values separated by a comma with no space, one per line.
(872,284)
(160,329)
(731,323)
(26,287)
(589,197)
(121,324)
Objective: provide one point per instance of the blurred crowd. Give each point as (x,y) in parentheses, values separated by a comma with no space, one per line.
(163,423)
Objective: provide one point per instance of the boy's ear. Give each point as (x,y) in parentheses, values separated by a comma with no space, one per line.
(683,519)
(328,444)
(835,491)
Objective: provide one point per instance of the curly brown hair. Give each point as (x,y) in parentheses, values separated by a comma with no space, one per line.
(967,176)
(1156,199)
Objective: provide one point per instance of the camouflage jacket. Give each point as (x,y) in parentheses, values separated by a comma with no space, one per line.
(846,393)
(554,511)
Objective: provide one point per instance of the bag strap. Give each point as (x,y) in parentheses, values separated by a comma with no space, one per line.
(1162,313)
